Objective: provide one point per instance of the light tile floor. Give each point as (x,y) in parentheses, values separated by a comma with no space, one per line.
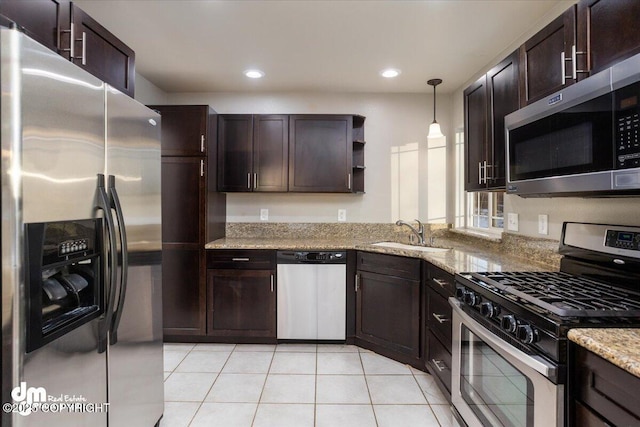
(298,385)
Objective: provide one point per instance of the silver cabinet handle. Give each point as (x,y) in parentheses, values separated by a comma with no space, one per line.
(357,282)
(479,172)
(563,67)
(438,363)
(349,183)
(255,180)
(574,55)
(239,259)
(443,284)
(202,143)
(84,48)
(271,282)
(440,318)
(249,180)
(201,167)
(72,40)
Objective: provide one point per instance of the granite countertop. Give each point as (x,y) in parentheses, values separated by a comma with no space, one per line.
(620,346)
(460,258)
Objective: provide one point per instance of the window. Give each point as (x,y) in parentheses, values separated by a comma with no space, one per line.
(486,210)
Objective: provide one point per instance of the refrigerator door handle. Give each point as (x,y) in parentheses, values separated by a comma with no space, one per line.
(109,261)
(124,258)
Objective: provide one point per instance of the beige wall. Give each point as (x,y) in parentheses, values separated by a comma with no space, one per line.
(148,93)
(395,122)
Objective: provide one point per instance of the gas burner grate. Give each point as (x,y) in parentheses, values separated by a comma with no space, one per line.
(564,294)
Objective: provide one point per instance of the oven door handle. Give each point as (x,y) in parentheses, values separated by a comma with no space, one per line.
(536,363)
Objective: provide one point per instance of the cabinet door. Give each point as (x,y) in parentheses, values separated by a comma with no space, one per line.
(607,32)
(101,53)
(183,196)
(184,129)
(242,303)
(320,153)
(542,70)
(235,152)
(502,83)
(42,19)
(476,135)
(183,290)
(388,312)
(270,152)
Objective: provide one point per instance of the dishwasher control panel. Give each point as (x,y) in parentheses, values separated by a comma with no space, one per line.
(311,257)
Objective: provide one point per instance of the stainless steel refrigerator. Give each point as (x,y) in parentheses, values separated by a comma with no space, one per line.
(81,246)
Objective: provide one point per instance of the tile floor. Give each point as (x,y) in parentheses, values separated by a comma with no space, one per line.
(295,385)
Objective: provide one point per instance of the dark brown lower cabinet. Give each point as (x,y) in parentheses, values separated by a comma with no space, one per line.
(600,393)
(241,296)
(439,286)
(183,291)
(241,303)
(388,306)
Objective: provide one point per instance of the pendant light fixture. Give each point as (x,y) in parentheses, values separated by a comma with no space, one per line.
(434,128)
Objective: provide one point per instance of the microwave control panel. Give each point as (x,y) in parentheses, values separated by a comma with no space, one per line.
(628,127)
(623,240)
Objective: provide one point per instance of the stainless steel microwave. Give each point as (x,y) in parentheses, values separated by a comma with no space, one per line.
(583,140)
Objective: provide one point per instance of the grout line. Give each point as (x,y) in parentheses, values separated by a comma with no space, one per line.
(266,378)
(364,373)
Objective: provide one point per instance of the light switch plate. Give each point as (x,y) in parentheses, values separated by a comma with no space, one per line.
(342,215)
(543,224)
(264,214)
(512,221)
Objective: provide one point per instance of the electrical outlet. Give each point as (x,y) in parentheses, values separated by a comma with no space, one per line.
(342,215)
(264,214)
(512,222)
(543,224)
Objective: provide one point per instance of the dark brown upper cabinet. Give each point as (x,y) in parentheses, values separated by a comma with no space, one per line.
(185,129)
(101,53)
(476,119)
(486,103)
(66,29)
(320,153)
(270,152)
(546,64)
(607,33)
(42,20)
(253,152)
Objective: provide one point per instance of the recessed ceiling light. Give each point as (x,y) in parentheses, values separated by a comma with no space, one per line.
(390,73)
(254,74)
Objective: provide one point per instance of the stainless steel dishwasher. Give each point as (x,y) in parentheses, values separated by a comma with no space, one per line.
(312,295)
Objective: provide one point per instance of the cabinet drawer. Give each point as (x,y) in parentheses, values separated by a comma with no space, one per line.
(607,389)
(241,259)
(441,281)
(390,265)
(439,361)
(439,318)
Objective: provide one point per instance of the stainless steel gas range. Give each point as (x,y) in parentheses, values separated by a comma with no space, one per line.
(510,328)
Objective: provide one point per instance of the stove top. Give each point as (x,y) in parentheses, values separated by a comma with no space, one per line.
(563,294)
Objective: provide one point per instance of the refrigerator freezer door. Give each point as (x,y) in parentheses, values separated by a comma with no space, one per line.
(136,391)
(54,112)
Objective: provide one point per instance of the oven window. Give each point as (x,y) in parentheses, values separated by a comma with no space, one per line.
(498,393)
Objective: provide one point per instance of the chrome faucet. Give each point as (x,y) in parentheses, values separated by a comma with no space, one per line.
(419,232)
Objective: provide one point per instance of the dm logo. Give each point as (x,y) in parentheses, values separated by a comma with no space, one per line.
(29,396)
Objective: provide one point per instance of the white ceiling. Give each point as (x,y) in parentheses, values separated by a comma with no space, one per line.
(316,45)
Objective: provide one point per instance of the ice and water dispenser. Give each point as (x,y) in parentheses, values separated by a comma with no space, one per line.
(64,285)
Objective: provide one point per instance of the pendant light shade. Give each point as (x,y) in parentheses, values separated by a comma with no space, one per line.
(434,127)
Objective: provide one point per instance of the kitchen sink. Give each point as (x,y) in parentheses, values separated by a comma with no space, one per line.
(396,245)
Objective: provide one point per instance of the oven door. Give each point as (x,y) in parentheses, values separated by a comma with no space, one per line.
(495,384)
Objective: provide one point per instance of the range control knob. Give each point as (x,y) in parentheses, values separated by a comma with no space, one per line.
(527,334)
(489,310)
(509,323)
(460,294)
(472,299)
